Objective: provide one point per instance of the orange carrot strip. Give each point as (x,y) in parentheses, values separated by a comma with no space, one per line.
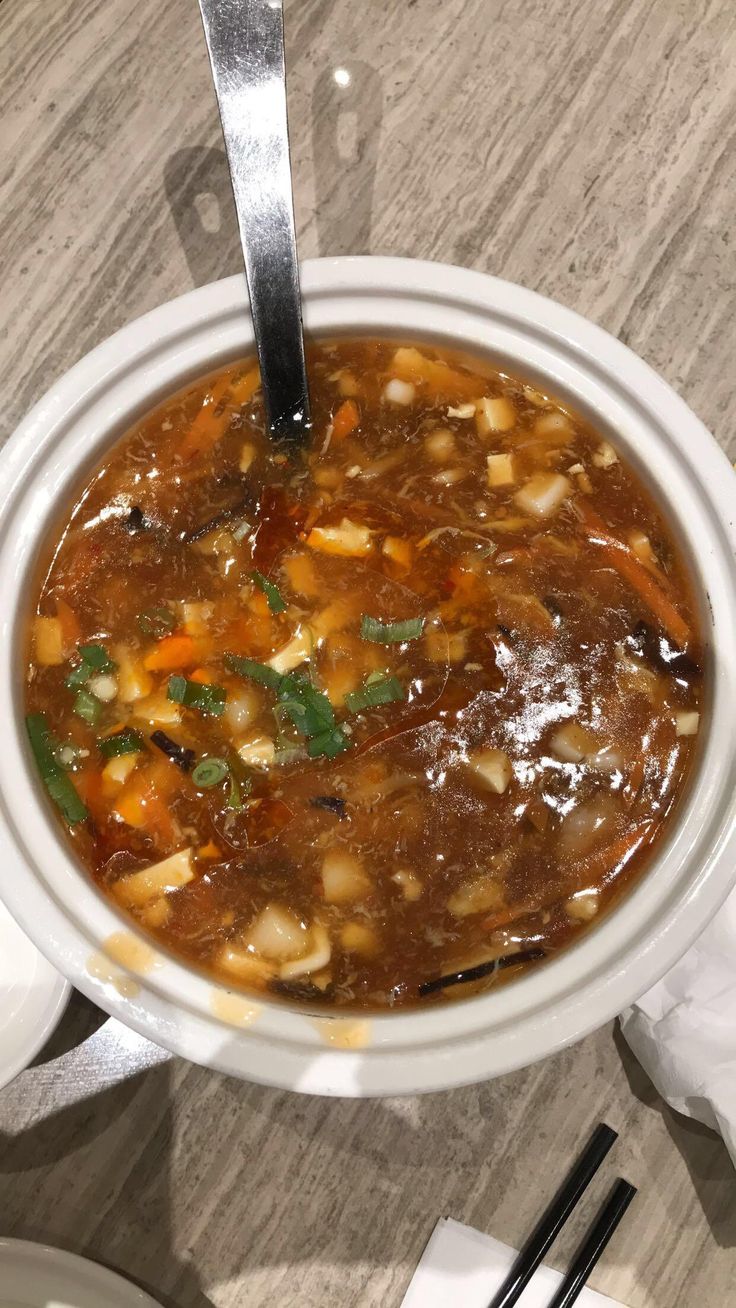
(172,652)
(345,420)
(210,850)
(632,571)
(607,862)
(203,676)
(214,416)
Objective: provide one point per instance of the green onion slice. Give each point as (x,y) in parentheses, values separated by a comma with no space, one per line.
(87,707)
(97,658)
(260,672)
(156,622)
(209,772)
(309,709)
(59,785)
(276,603)
(390,633)
(375,691)
(193,694)
(127,741)
(328,744)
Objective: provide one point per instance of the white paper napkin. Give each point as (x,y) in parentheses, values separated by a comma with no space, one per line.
(461,1266)
(683,1030)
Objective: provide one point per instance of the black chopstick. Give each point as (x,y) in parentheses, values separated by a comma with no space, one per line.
(554,1217)
(588,1253)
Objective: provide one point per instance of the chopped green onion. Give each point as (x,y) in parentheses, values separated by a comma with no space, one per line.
(97,658)
(384,690)
(156,622)
(210,772)
(60,787)
(309,709)
(79,676)
(94,659)
(127,741)
(87,707)
(195,694)
(260,672)
(235,799)
(328,744)
(390,633)
(275,601)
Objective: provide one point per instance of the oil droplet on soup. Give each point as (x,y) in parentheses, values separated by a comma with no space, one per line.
(385,721)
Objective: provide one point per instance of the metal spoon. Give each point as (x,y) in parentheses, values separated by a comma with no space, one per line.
(245,40)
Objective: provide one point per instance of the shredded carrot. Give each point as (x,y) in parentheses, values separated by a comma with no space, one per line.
(203,676)
(210,850)
(71,631)
(214,416)
(345,420)
(506,916)
(632,570)
(113,730)
(177,651)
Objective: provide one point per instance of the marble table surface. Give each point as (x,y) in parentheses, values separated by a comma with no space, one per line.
(584,150)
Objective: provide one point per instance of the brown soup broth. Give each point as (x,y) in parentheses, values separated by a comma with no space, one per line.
(374,724)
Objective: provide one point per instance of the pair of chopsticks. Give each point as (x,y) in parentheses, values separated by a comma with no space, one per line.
(553,1219)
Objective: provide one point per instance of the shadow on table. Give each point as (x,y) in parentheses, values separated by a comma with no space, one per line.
(702,1150)
(198,190)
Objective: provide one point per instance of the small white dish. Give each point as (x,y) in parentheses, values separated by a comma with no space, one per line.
(34,996)
(37,1276)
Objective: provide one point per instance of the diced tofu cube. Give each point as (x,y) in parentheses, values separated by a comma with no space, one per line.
(358,938)
(440,445)
(257,751)
(344,879)
(134,682)
(492,769)
(500,470)
(555,428)
(116,772)
(478,896)
(278,934)
(497,414)
(399,392)
(158,879)
(349,539)
(543,494)
(686,724)
(295,651)
(605,456)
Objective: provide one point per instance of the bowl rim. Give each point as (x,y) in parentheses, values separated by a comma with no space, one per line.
(467,1040)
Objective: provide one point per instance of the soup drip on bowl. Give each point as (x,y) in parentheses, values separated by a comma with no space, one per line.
(371,724)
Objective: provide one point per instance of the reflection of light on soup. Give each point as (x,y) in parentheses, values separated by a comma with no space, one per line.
(373,724)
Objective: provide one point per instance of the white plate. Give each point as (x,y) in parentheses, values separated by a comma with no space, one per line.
(33,996)
(36,1276)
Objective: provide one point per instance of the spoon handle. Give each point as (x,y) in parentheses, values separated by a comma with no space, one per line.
(245,40)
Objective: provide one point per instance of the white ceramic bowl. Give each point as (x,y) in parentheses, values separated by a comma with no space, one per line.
(444,1045)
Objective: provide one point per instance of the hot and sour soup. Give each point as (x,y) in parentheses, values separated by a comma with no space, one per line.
(377,722)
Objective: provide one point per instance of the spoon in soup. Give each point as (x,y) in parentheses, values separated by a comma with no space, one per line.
(245,40)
